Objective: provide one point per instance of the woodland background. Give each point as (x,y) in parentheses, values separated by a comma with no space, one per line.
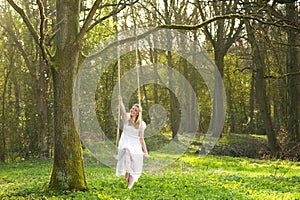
(255,45)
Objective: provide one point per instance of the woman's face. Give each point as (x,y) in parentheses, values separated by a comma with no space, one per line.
(134,111)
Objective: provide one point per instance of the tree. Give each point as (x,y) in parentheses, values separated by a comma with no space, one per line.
(221,34)
(260,85)
(292,65)
(68,170)
(39,83)
(3,121)
(289,23)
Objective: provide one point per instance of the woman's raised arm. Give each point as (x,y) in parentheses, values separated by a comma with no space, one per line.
(122,107)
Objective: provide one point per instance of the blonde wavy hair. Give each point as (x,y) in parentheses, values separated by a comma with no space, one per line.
(138,118)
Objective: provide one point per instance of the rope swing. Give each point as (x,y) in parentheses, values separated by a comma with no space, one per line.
(119,87)
(119,83)
(137,64)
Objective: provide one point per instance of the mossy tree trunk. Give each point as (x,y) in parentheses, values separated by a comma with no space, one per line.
(68,170)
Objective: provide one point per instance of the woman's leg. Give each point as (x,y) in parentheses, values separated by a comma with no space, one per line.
(131,182)
(127,177)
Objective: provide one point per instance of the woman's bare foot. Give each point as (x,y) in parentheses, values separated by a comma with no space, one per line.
(130,183)
(127,177)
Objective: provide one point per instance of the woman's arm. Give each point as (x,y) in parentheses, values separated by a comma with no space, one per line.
(143,143)
(122,108)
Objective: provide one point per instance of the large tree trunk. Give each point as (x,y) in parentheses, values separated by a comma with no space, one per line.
(292,80)
(258,59)
(68,170)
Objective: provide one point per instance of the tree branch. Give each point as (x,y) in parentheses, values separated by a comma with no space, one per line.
(283,75)
(89,19)
(183,27)
(39,39)
(21,49)
(42,33)
(26,20)
(155,8)
(269,76)
(233,37)
(243,69)
(221,17)
(206,31)
(112,13)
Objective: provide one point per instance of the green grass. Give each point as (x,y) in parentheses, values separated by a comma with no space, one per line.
(190,177)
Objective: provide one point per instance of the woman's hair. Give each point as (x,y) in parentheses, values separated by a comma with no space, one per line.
(138,118)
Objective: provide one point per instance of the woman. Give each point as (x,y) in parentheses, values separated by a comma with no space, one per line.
(132,147)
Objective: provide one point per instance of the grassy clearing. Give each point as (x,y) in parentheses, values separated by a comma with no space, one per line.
(191,177)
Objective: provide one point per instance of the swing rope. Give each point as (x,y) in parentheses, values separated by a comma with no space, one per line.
(137,64)
(119,83)
(119,88)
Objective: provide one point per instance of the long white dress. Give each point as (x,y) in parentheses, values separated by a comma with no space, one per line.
(130,153)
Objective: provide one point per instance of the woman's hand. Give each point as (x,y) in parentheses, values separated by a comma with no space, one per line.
(146,155)
(122,107)
(120,98)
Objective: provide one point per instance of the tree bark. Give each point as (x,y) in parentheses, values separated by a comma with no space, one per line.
(68,170)
(258,59)
(293,91)
(173,108)
(231,114)
(42,108)
(174,112)
(252,104)
(3,121)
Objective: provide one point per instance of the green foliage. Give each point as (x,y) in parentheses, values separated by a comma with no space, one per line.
(191,177)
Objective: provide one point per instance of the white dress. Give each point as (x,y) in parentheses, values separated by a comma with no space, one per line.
(130,153)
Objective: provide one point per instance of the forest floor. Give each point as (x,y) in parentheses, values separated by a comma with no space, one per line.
(242,145)
(190,177)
